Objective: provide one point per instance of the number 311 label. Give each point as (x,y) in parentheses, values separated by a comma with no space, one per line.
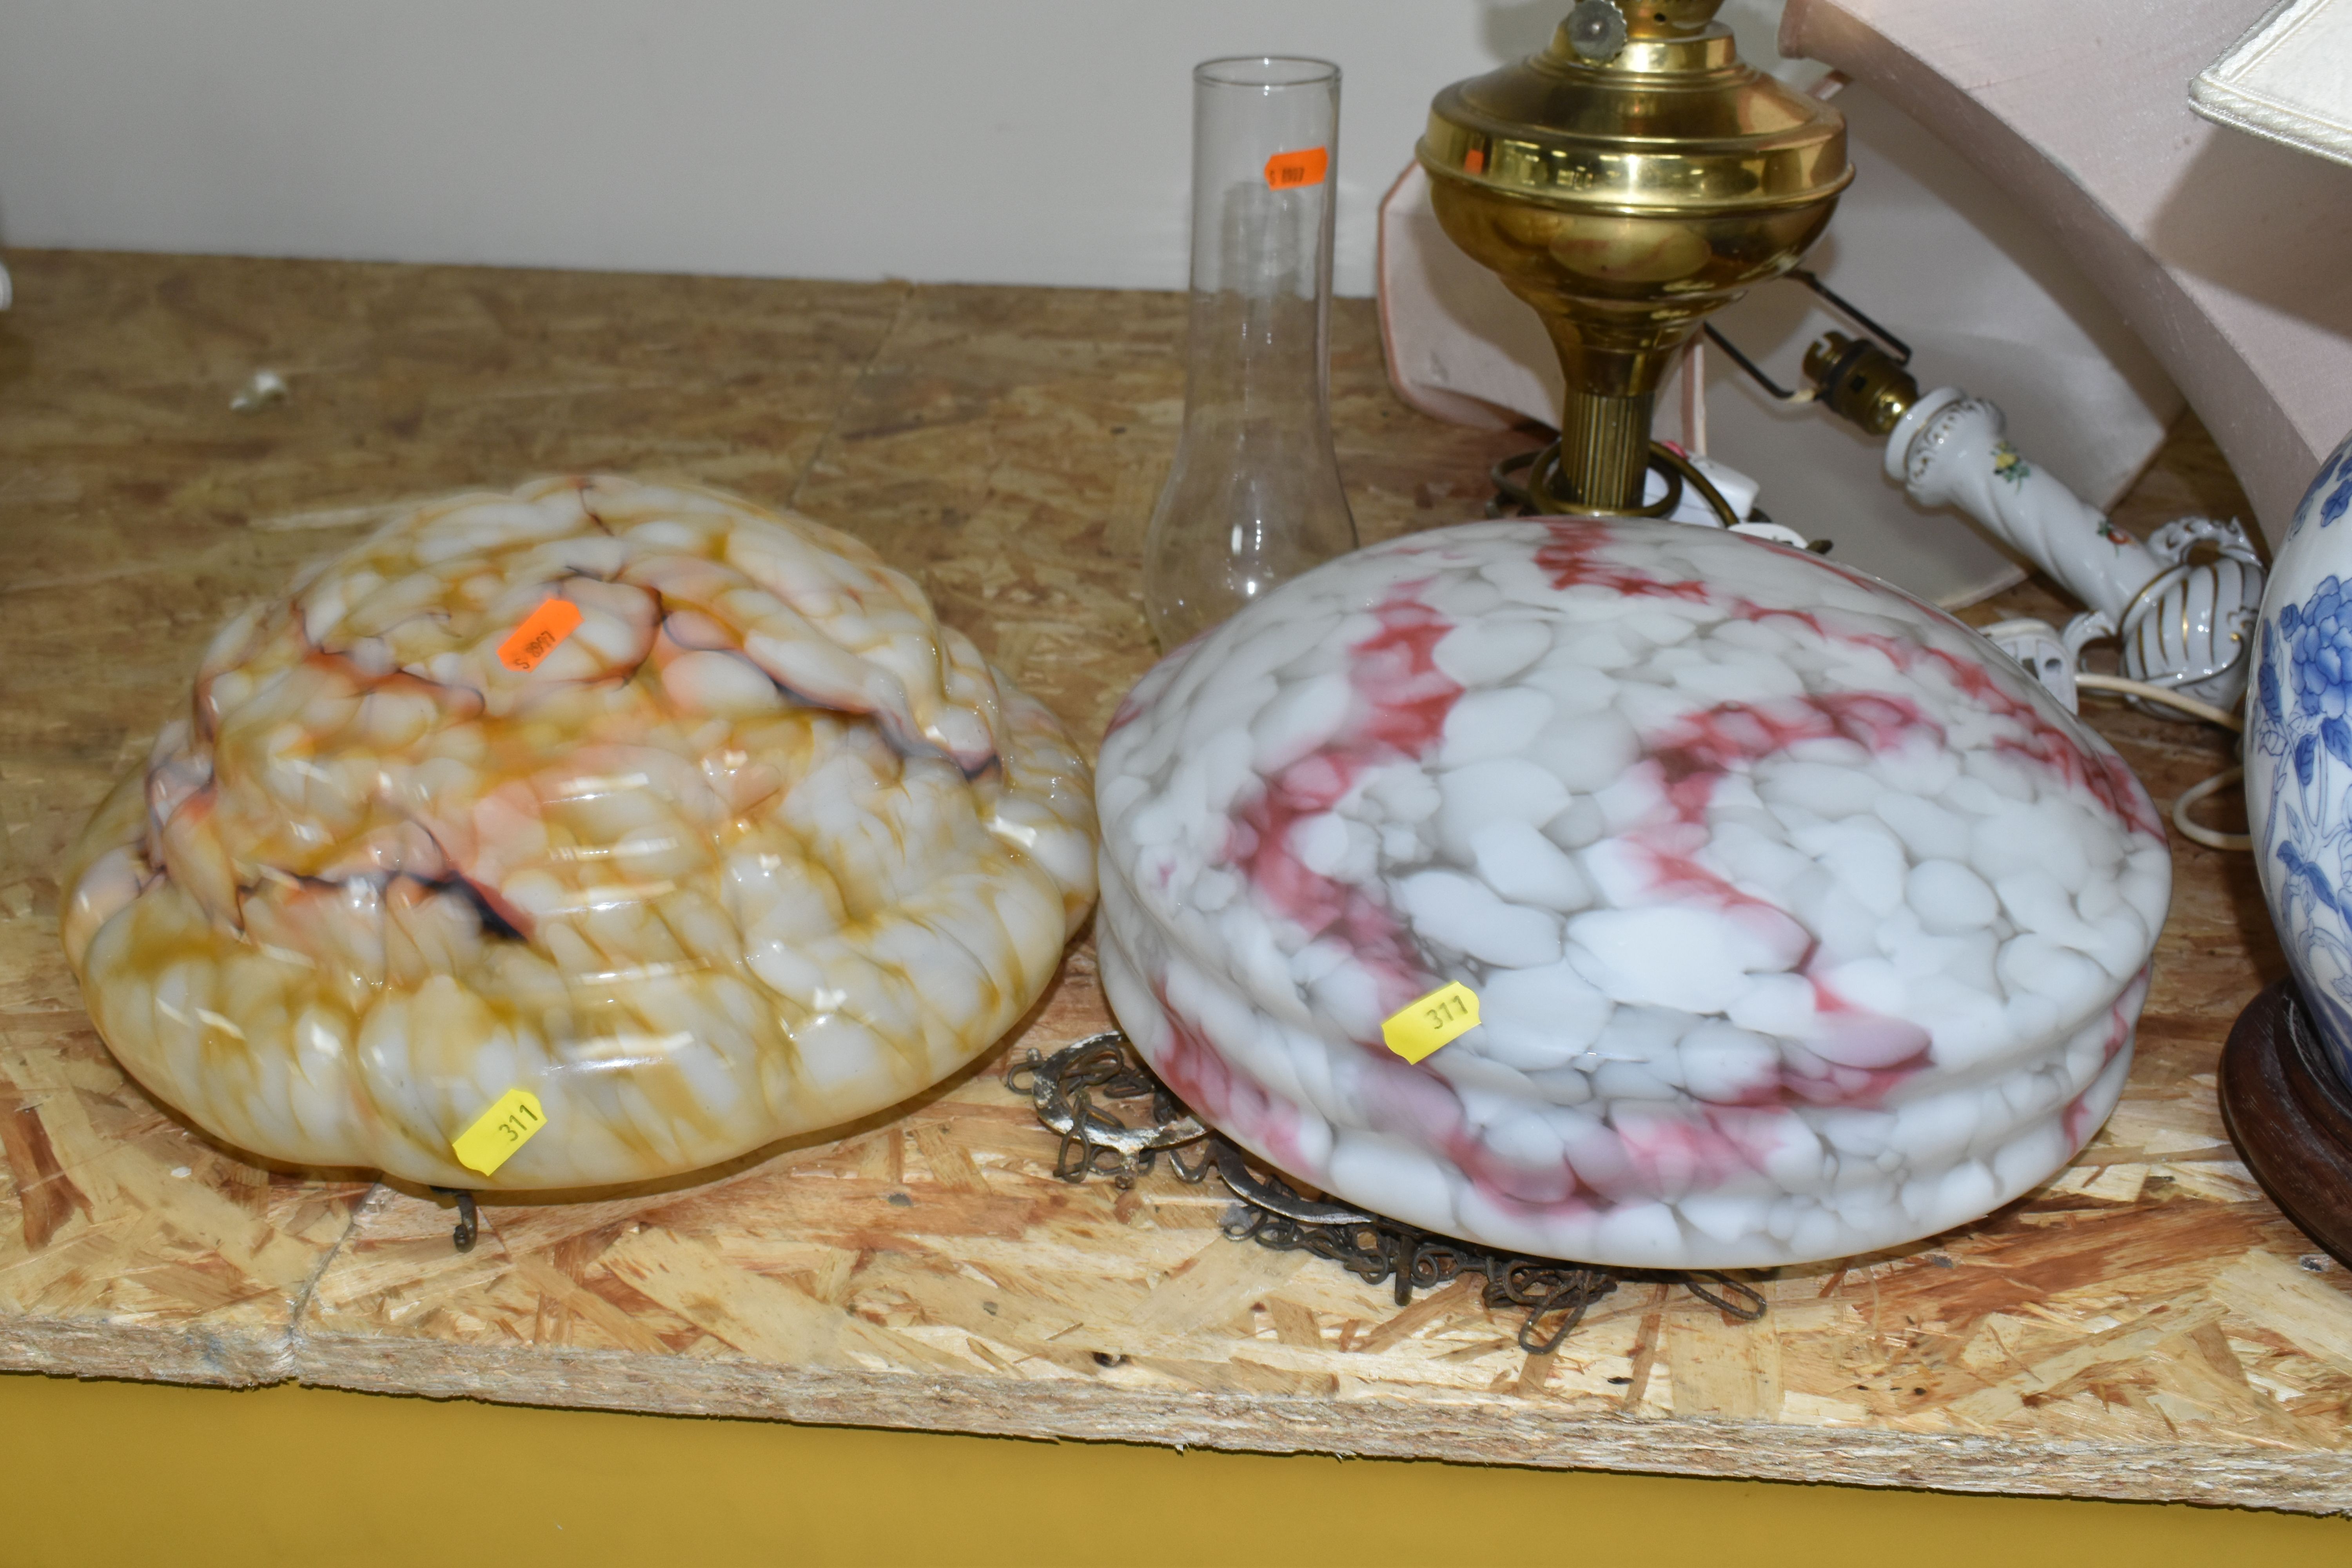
(501,1129)
(1440,1018)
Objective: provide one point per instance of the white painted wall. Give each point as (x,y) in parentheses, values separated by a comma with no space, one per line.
(1010,141)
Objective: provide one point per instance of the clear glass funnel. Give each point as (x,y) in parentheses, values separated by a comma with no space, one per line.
(1254,496)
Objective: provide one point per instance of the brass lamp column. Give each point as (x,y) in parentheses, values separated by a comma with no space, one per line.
(1633,177)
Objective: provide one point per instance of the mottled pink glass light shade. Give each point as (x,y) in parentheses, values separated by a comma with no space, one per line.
(1803,923)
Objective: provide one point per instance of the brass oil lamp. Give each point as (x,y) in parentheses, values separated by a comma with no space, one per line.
(1632,179)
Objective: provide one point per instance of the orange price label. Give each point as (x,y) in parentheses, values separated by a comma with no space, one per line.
(1296,171)
(542,632)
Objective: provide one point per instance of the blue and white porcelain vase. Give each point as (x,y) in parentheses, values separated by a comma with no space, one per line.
(2299,752)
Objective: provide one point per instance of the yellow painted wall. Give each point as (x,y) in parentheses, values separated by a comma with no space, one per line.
(96,1474)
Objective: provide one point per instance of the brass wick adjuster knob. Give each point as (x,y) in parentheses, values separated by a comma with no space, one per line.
(1596,30)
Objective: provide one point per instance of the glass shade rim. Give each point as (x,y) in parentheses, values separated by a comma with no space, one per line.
(1266,73)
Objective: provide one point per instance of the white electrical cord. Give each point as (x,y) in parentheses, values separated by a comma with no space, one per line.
(2087,681)
(2206,835)
(2197,792)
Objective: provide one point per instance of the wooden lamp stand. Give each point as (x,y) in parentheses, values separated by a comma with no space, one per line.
(2290,1113)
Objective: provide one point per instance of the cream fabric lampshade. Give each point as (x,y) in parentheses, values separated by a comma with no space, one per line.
(2288,80)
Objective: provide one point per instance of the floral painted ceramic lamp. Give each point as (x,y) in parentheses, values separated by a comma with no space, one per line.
(2286,1080)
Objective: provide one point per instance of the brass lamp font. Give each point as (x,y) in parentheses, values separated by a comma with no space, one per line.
(1632,178)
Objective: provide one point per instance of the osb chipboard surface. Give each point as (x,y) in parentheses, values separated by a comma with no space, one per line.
(2144,1326)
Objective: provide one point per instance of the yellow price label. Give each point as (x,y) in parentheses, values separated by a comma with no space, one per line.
(501,1129)
(1440,1018)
